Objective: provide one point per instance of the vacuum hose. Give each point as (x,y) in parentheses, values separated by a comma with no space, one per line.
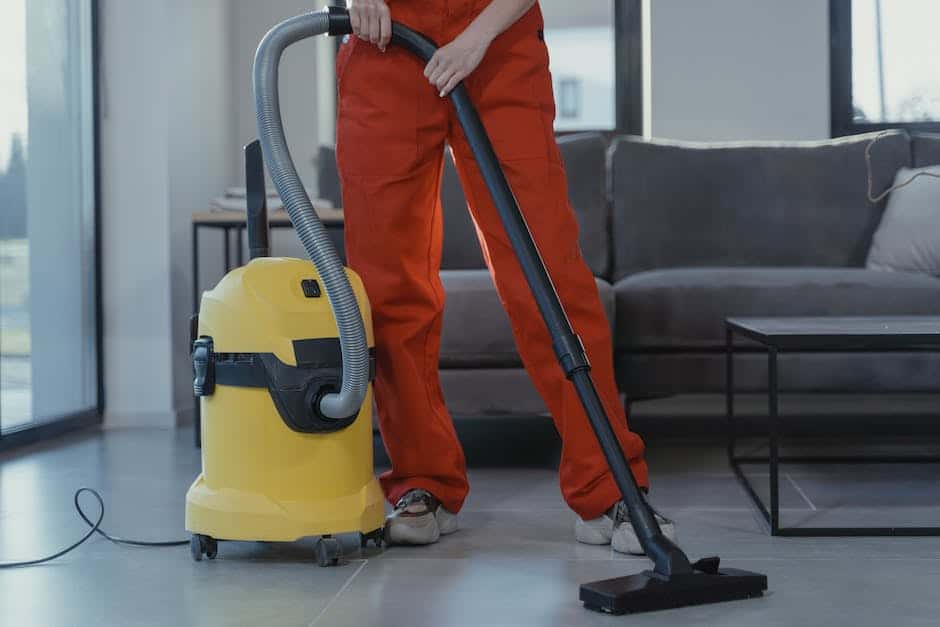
(352,335)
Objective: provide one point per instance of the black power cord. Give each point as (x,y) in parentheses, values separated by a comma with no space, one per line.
(95,528)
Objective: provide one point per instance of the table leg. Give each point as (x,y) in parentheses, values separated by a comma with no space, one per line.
(228,250)
(774,460)
(239,258)
(195,267)
(729,392)
(197,405)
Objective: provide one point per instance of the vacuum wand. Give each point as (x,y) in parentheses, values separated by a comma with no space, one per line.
(674,581)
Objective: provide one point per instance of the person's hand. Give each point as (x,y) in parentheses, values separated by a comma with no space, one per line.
(371,21)
(454,62)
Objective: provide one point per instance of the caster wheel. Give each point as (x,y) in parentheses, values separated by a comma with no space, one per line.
(200,545)
(329,552)
(211,547)
(195,547)
(377,537)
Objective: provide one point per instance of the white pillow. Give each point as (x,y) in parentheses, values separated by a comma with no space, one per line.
(908,237)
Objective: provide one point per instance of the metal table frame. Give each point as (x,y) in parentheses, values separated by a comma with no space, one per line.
(821,344)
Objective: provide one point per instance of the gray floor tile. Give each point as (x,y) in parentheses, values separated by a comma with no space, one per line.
(887,486)
(853,445)
(684,457)
(514,562)
(822,592)
(716,492)
(735,535)
(513,489)
(108,585)
(874,517)
(885,495)
(526,489)
(512,534)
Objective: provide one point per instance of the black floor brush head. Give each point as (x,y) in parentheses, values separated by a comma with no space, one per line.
(647,592)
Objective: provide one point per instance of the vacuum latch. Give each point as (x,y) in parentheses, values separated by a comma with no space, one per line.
(203,367)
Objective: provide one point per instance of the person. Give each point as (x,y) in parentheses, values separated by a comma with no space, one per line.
(393,123)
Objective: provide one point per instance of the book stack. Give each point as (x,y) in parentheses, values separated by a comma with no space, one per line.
(234,200)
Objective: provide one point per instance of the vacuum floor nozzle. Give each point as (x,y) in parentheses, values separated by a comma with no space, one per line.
(648,591)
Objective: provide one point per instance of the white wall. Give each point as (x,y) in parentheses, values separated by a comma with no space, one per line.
(135,218)
(176,110)
(167,148)
(307,111)
(298,79)
(737,69)
(202,150)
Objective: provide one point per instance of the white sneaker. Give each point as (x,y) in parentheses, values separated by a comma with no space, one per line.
(419,518)
(614,528)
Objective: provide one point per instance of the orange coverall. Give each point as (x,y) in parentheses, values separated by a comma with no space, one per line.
(391,133)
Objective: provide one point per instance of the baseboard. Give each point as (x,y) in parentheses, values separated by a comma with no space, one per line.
(506,441)
(115,419)
(801,414)
(185,416)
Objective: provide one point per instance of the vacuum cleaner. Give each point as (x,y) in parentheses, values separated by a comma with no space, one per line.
(283,360)
(291,460)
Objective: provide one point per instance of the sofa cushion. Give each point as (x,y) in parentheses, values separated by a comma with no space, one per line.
(461,249)
(679,204)
(585,158)
(925,148)
(686,308)
(328,186)
(476,331)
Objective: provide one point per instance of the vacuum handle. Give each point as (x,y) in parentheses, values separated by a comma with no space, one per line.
(256,202)
(668,558)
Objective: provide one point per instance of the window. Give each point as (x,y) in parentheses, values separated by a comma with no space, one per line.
(48,264)
(594,49)
(569,98)
(883,56)
(596,44)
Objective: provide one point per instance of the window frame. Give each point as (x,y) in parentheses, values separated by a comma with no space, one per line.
(840,80)
(59,425)
(628,66)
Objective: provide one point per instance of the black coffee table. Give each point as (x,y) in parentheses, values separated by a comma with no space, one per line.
(809,335)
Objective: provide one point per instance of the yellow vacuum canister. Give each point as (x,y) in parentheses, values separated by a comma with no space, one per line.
(272,469)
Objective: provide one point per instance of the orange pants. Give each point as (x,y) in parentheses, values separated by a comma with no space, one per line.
(391,132)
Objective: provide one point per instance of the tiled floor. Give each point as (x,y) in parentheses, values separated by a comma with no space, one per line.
(513,563)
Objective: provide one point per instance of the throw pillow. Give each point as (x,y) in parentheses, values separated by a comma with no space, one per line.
(908,237)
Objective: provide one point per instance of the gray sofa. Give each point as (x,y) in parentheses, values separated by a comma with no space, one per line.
(682,235)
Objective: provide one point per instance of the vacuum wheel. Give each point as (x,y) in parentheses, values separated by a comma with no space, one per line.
(200,545)
(377,537)
(329,551)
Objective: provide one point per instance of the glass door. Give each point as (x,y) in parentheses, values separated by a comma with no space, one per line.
(48,312)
